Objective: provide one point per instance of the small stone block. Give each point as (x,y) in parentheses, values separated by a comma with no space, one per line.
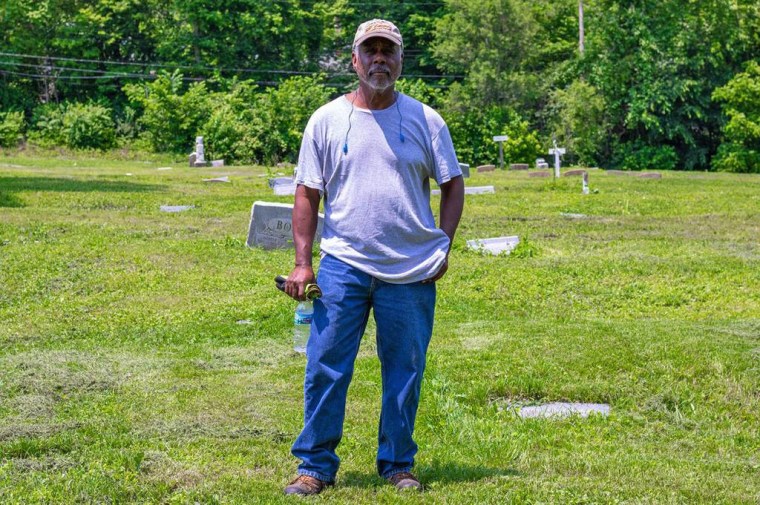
(465,168)
(285,189)
(274,181)
(192,159)
(539,174)
(176,208)
(479,190)
(217,163)
(574,172)
(518,166)
(617,172)
(226,178)
(649,175)
(495,246)
(271,226)
(563,409)
(486,168)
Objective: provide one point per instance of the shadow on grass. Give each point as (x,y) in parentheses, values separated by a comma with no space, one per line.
(10,185)
(445,473)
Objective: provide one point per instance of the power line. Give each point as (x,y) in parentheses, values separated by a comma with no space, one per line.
(203,67)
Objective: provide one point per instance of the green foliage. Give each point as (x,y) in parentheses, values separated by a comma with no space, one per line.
(171,115)
(12,127)
(740,151)
(473,130)
(638,155)
(420,90)
(247,126)
(577,115)
(88,126)
(47,125)
(73,125)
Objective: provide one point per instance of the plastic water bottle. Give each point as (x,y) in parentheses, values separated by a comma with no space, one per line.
(302,325)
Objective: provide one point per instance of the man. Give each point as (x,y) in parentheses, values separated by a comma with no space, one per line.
(370,154)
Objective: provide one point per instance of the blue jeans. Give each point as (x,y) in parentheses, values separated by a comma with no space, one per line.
(404,319)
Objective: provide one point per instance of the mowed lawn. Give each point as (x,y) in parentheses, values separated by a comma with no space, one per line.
(145,356)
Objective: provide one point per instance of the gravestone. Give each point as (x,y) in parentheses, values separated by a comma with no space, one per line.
(274,181)
(649,175)
(557,152)
(176,208)
(617,172)
(200,152)
(542,173)
(217,163)
(465,168)
(225,178)
(574,172)
(474,190)
(486,168)
(518,166)
(495,246)
(501,139)
(541,163)
(285,189)
(564,409)
(271,226)
(585,190)
(192,159)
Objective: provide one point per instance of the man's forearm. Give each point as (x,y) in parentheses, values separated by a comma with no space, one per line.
(452,203)
(305,218)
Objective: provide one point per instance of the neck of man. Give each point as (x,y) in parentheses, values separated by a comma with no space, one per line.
(368,97)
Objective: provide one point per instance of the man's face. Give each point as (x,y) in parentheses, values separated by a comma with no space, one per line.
(378,63)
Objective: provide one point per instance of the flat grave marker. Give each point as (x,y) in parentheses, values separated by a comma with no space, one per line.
(495,245)
(564,409)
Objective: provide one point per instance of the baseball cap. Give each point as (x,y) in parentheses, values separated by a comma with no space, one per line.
(378,28)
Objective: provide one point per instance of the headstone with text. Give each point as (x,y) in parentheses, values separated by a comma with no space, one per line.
(271,226)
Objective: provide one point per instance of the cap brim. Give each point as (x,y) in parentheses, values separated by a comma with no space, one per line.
(383,35)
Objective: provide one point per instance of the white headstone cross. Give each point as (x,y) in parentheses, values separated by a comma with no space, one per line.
(501,139)
(200,156)
(557,152)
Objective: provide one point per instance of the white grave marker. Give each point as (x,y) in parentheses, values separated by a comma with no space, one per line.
(557,152)
(495,245)
(501,139)
(271,226)
(585,183)
(200,156)
(474,190)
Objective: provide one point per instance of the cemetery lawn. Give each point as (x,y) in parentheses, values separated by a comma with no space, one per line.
(145,356)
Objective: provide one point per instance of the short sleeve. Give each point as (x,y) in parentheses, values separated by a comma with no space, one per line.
(446,164)
(310,160)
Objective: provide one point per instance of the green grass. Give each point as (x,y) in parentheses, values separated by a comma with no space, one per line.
(126,378)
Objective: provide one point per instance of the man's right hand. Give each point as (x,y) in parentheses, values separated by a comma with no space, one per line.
(299,277)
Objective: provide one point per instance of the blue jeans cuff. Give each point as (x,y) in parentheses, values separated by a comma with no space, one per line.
(393,472)
(320,476)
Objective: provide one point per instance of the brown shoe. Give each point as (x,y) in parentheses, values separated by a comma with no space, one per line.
(306,485)
(405,480)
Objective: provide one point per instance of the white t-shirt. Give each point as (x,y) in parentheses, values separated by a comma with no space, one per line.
(374,169)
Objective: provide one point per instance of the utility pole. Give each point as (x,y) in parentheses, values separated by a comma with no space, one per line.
(581,34)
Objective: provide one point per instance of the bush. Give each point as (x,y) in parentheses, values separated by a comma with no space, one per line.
(578,121)
(472,132)
(265,127)
(11,129)
(47,125)
(88,126)
(171,116)
(637,155)
(740,98)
